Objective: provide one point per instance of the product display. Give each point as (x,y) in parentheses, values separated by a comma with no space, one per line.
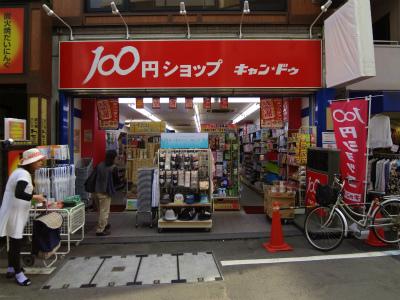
(184,177)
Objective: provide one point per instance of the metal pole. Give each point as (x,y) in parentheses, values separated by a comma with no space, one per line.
(367,149)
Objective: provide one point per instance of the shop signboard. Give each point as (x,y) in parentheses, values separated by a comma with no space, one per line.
(156,104)
(172,103)
(350,122)
(189,103)
(190,64)
(313,179)
(223,103)
(207,103)
(184,140)
(271,113)
(11,40)
(108,114)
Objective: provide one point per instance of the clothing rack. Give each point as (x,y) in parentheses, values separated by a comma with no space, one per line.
(385,155)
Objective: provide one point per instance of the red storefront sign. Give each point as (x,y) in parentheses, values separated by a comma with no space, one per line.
(172,103)
(190,64)
(223,104)
(108,113)
(350,121)
(207,103)
(189,103)
(12,40)
(156,104)
(139,103)
(271,113)
(313,180)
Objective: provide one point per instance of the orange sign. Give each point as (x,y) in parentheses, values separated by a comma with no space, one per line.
(11,40)
(108,114)
(139,103)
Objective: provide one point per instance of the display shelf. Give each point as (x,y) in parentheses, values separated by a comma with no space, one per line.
(194,166)
(185,205)
(184,224)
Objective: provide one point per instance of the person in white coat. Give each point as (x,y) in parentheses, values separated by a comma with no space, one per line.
(14,211)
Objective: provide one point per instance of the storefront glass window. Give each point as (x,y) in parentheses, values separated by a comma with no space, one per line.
(191,5)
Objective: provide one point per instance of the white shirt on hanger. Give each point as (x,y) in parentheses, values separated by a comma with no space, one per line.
(380,135)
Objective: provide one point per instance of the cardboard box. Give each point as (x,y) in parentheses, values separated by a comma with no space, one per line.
(284,199)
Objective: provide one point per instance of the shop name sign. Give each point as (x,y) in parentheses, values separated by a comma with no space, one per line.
(190,64)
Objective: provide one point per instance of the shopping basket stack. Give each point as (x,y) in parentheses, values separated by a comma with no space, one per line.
(145,196)
(83,169)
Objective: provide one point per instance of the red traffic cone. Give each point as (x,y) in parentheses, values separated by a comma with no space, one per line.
(372,240)
(276,243)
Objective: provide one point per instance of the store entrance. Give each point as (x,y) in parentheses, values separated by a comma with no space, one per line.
(242,159)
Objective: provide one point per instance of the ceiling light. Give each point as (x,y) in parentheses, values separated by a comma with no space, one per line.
(246,113)
(51,13)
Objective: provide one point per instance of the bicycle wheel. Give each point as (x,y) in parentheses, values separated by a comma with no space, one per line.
(322,234)
(386,222)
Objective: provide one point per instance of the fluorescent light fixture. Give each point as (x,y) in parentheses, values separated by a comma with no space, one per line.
(165,100)
(254,107)
(196,118)
(145,113)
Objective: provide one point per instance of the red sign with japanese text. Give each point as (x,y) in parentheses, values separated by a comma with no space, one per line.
(271,113)
(11,40)
(156,104)
(172,103)
(139,103)
(313,180)
(350,121)
(108,113)
(189,103)
(190,64)
(207,103)
(223,103)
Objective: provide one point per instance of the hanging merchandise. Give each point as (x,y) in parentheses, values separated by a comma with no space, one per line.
(56,183)
(380,134)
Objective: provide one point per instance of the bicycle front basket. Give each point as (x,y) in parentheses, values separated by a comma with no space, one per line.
(326,195)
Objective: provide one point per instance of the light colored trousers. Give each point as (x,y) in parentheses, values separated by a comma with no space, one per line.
(103,202)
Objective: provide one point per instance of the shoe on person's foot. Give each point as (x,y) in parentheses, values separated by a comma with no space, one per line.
(11,274)
(108,227)
(103,233)
(26,282)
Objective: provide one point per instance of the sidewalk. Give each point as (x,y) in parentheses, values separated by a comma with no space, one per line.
(226,225)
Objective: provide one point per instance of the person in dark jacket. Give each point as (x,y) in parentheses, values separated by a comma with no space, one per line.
(107,182)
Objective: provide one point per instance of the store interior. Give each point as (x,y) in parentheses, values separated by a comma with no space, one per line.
(243,163)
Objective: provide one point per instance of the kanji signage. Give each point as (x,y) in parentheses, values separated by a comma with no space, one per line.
(313,180)
(139,103)
(223,103)
(350,121)
(271,113)
(190,64)
(207,103)
(156,104)
(108,113)
(11,40)
(189,103)
(172,103)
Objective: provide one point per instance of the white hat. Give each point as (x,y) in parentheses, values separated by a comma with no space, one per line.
(30,156)
(170,215)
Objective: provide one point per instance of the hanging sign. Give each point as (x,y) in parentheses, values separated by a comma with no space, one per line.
(271,113)
(108,114)
(350,121)
(172,103)
(313,180)
(156,104)
(207,103)
(191,64)
(139,103)
(184,140)
(11,40)
(189,103)
(223,103)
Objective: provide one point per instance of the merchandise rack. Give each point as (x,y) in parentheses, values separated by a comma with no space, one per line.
(225,140)
(201,224)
